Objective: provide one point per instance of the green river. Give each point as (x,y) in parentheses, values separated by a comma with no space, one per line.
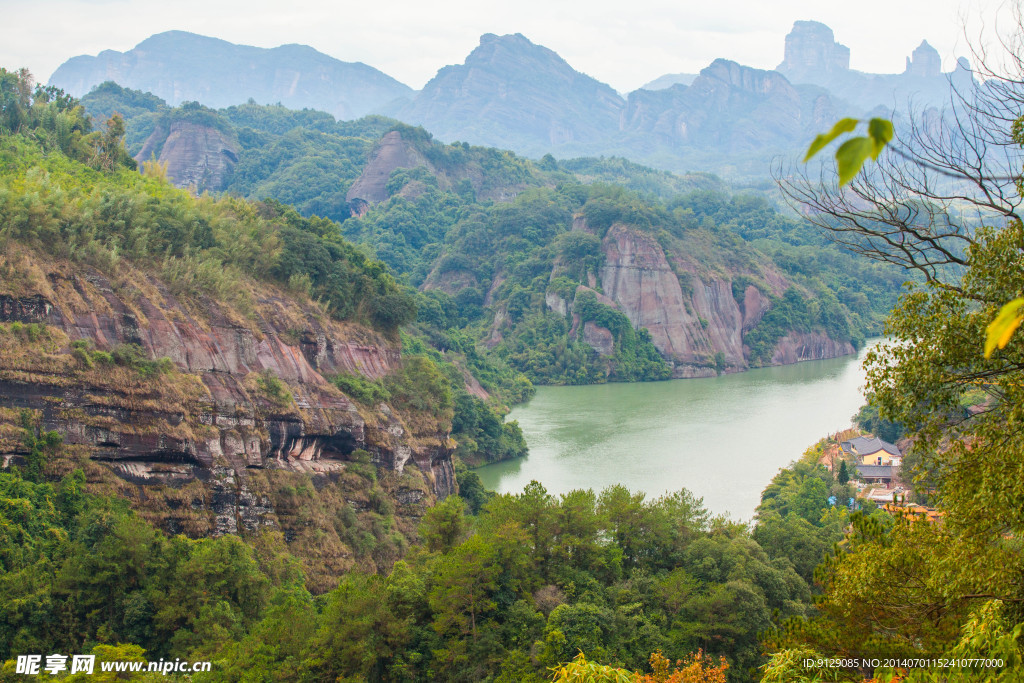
(723,438)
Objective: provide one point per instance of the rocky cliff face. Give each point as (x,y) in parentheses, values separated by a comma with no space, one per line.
(241,412)
(812,51)
(197,156)
(924,62)
(727,108)
(637,277)
(693,316)
(390,154)
(813,56)
(796,347)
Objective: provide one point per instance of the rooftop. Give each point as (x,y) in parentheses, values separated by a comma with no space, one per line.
(872,471)
(863,445)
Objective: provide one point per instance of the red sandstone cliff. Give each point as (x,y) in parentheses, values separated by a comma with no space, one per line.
(197,447)
(688,307)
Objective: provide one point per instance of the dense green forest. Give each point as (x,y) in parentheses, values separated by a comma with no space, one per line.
(524,583)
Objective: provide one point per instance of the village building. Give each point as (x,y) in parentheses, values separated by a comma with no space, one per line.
(878,461)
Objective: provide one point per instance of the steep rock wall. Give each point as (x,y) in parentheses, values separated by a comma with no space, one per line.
(637,277)
(390,154)
(196,156)
(690,325)
(687,328)
(796,347)
(209,428)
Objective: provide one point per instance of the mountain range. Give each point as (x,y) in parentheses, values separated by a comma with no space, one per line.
(514,94)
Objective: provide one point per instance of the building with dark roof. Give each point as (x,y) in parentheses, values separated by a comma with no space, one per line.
(877,474)
(872,451)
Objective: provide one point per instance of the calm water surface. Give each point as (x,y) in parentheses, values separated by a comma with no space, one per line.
(723,438)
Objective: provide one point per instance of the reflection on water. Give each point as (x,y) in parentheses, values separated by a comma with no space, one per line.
(723,438)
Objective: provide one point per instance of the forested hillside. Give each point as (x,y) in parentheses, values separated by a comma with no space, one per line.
(250,356)
(234,355)
(236,430)
(499,246)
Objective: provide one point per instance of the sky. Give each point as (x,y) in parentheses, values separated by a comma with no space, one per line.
(624,43)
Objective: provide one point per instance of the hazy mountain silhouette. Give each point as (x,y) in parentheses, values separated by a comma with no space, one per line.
(514,94)
(179,66)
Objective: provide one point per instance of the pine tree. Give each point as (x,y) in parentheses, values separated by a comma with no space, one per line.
(844,474)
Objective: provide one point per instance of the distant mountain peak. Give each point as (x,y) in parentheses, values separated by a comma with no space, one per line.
(924,61)
(811,47)
(743,77)
(178,38)
(180,66)
(511,92)
(669,80)
(514,51)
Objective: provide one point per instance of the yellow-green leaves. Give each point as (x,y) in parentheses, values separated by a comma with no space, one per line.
(852,154)
(842,126)
(1000,330)
(881,133)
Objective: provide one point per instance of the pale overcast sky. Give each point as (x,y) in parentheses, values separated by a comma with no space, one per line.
(624,43)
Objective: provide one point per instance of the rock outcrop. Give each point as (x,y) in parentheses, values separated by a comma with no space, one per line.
(924,62)
(599,338)
(390,154)
(754,306)
(813,52)
(197,440)
(687,328)
(812,56)
(197,156)
(638,278)
(796,347)
(692,313)
(728,108)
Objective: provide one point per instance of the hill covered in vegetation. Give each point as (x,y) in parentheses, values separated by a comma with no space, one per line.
(678,277)
(228,358)
(214,410)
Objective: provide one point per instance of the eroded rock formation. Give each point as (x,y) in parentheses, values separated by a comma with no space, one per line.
(924,61)
(390,154)
(198,444)
(796,347)
(695,318)
(811,48)
(197,156)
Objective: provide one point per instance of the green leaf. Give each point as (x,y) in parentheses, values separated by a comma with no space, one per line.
(842,126)
(851,156)
(881,133)
(1000,330)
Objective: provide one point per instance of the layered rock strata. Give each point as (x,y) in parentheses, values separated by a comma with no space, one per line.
(240,396)
(695,319)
